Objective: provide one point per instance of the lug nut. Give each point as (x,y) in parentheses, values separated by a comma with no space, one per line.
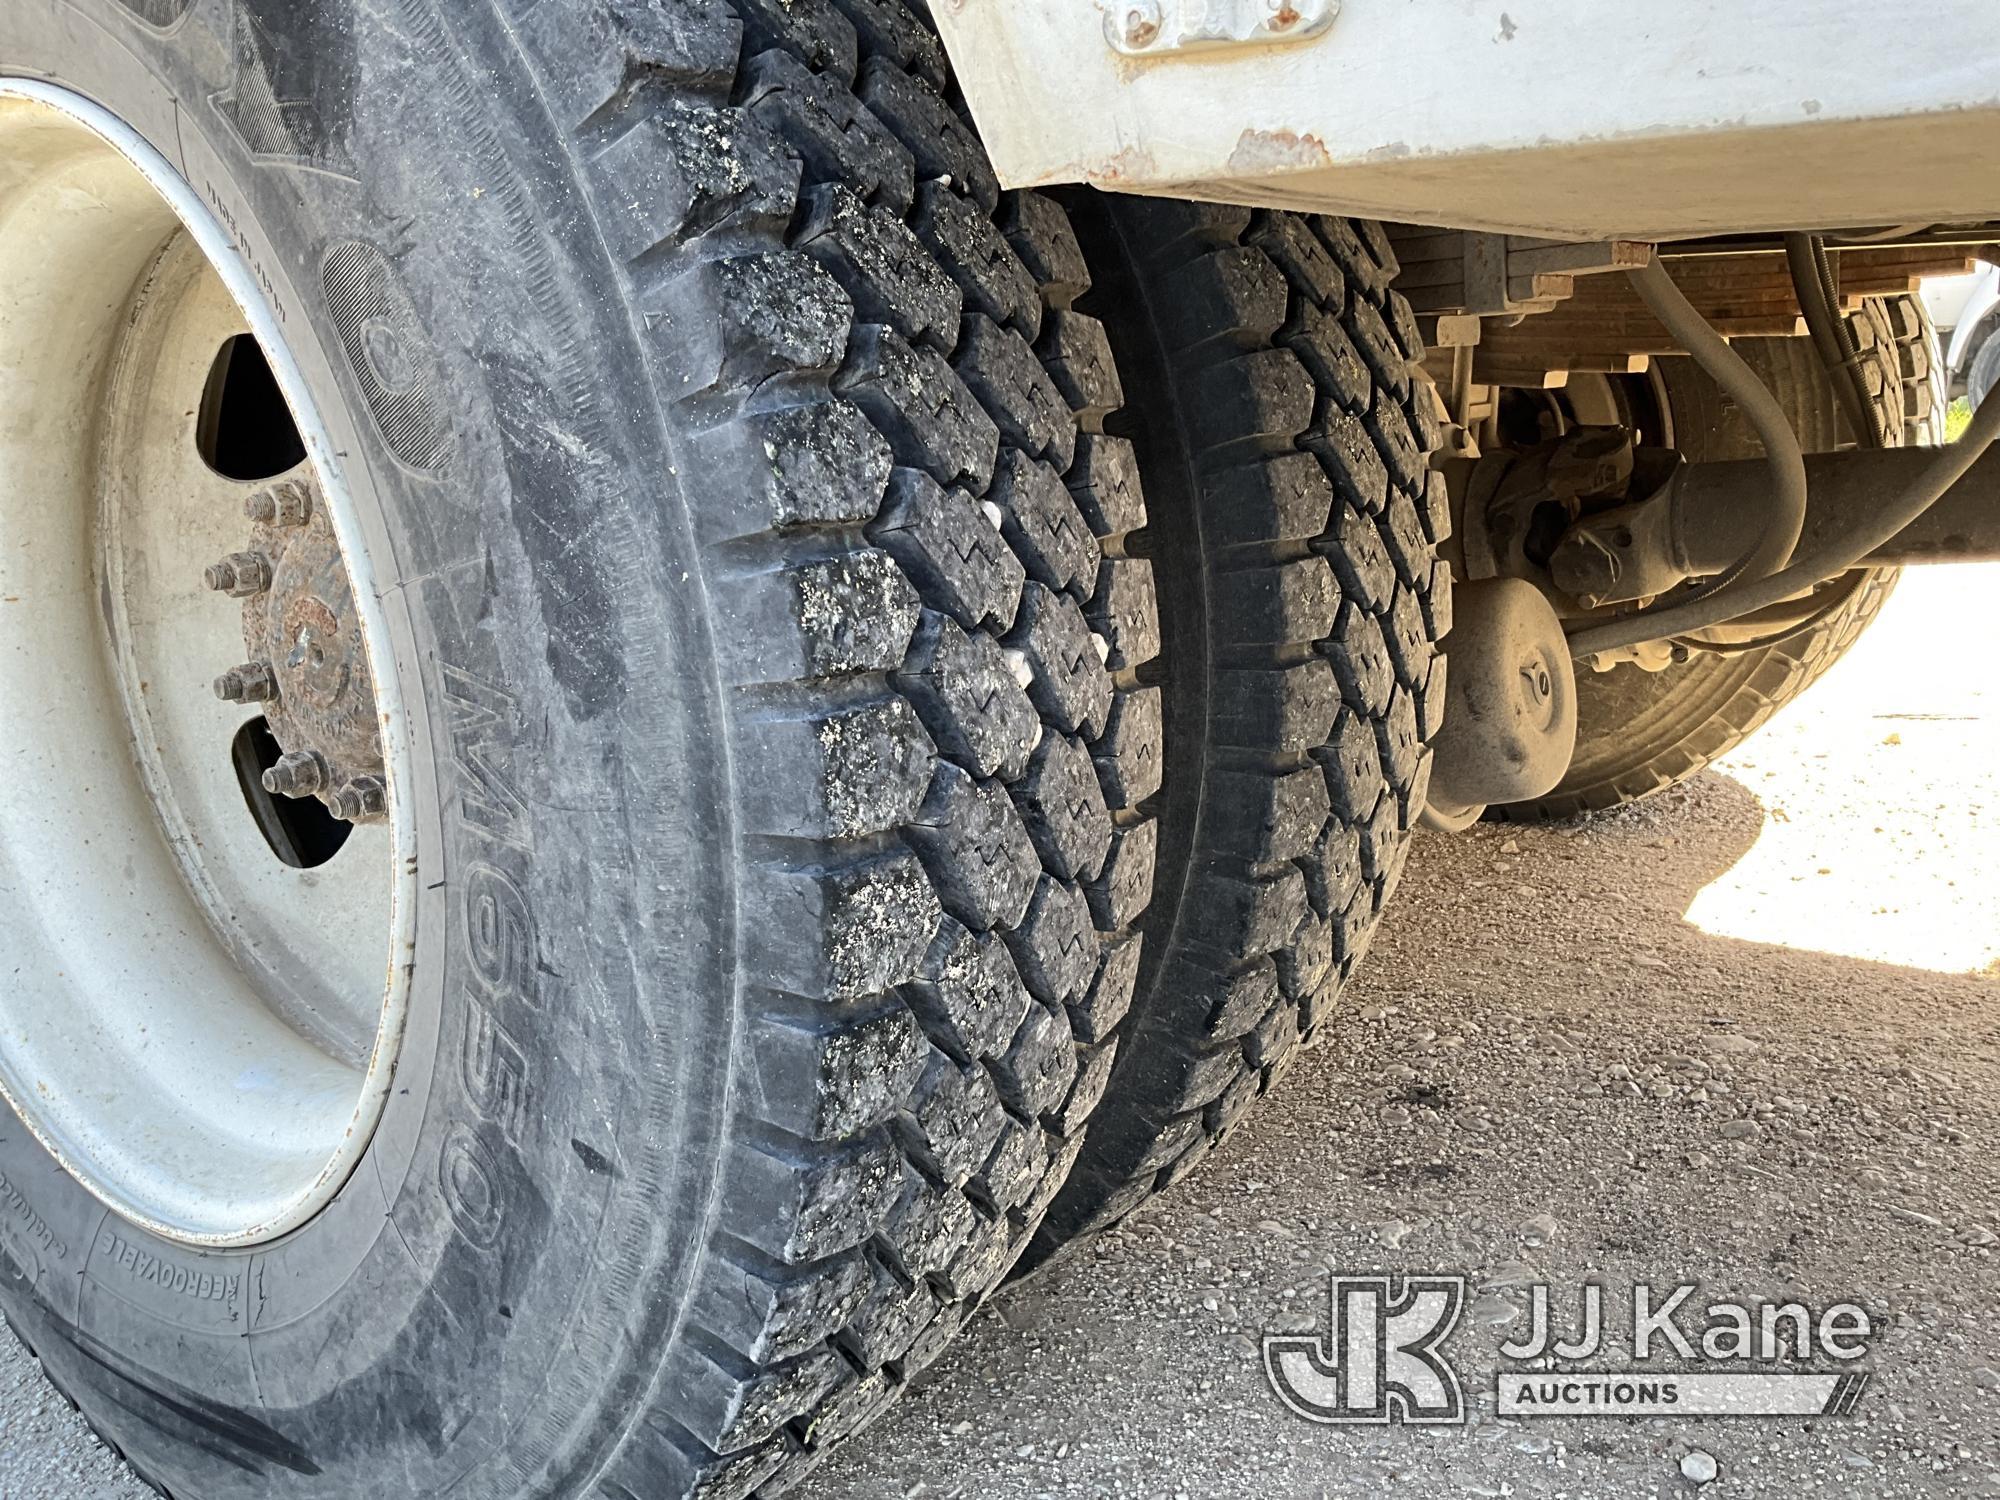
(298,774)
(240,575)
(363,800)
(286,504)
(253,682)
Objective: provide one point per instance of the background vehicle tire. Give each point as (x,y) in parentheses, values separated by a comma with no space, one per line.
(1285,434)
(728,453)
(1641,732)
(1983,374)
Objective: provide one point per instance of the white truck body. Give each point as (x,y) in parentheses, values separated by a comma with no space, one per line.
(1565,119)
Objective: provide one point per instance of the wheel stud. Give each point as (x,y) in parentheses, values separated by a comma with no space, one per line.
(286,504)
(299,774)
(363,800)
(254,682)
(241,575)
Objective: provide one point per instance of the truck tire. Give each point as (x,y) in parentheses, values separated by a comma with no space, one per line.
(727,457)
(1285,435)
(1641,732)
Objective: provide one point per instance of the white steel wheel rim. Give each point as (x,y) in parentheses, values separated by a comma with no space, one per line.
(204,1037)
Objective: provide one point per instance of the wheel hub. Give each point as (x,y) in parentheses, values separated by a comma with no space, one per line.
(307,661)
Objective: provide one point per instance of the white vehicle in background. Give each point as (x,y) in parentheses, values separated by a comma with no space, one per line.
(671,700)
(1968,309)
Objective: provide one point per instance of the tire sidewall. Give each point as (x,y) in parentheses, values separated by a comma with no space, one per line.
(467,1310)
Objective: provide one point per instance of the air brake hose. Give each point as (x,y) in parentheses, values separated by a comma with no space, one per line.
(1781,444)
(1665,621)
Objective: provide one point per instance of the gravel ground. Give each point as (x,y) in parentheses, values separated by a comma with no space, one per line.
(1746,1034)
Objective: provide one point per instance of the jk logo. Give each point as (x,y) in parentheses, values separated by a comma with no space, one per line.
(1378,1361)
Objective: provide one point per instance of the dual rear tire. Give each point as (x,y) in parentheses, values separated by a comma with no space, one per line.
(739,490)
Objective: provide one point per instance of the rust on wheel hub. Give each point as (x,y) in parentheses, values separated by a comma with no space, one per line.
(306,662)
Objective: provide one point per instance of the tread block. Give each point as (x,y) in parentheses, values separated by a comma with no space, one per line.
(1412,648)
(891,1318)
(1361,659)
(772,1317)
(1352,761)
(1128,756)
(934,133)
(881,263)
(979,855)
(731,1409)
(1070,684)
(689,168)
(1243,1000)
(811,30)
(821,464)
(1304,966)
(1280,604)
(1402,747)
(982,1260)
(1097,1013)
(921,405)
(973,252)
(734,324)
(830,617)
(831,131)
(1231,295)
(798,1212)
(825,1085)
(1403,535)
(927,1225)
(1104,481)
(1302,257)
(948,544)
(955,1122)
(849,930)
(970,999)
(1378,347)
(1055,947)
(1353,545)
(999,367)
(1283,710)
(1349,455)
(1125,612)
(1273,1038)
(1287,499)
(1120,895)
(1093,1075)
(1043,526)
(1238,915)
(851,1409)
(1035,1074)
(1076,351)
(608,49)
(1063,806)
(1336,365)
(1040,232)
(1265,819)
(837,773)
(1407,457)
(1335,874)
(1265,394)
(1016,1168)
(969,698)
(1360,248)
(888,28)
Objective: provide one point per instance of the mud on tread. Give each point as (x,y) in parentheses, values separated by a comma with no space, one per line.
(1292,364)
(938,678)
